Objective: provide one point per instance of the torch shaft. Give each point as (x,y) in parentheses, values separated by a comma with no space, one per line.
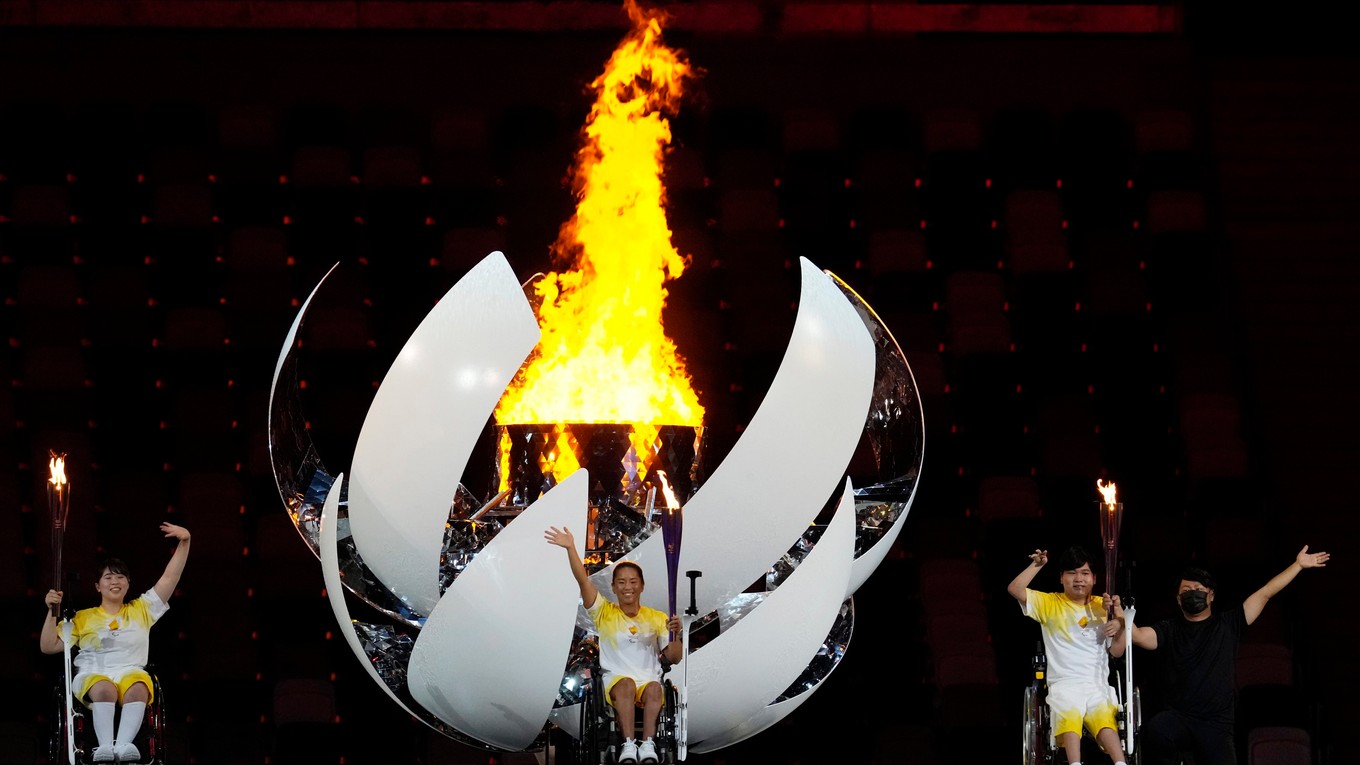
(57,534)
(1111,567)
(59,504)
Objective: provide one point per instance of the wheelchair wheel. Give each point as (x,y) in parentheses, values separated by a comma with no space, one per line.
(1034,731)
(588,748)
(155,725)
(668,749)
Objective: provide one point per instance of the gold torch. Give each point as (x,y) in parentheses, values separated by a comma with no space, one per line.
(59,503)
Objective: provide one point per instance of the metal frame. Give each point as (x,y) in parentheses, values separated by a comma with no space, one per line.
(70,740)
(599,738)
(1038,745)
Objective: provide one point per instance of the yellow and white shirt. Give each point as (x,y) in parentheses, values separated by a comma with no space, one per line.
(630,646)
(112,644)
(1074,637)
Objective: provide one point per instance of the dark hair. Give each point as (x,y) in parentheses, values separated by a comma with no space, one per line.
(116,565)
(1074,558)
(1193,574)
(627,564)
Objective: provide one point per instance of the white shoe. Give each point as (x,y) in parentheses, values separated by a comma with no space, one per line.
(629,751)
(103,753)
(647,751)
(127,752)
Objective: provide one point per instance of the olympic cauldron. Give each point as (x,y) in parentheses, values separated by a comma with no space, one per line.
(484,638)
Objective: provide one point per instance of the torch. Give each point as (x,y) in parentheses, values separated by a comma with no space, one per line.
(59,503)
(672,523)
(1111,514)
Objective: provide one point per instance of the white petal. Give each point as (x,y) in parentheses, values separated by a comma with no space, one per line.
(787,463)
(425,420)
(489,659)
(734,678)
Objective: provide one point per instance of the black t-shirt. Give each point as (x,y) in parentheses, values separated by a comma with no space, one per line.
(1199,663)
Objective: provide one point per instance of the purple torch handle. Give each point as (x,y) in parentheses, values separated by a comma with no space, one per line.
(672,524)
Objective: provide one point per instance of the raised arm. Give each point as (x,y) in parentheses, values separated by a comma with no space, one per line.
(1253,605)
(165,586)
(48,640)
(562,538)
(1021,582)
(1143,637)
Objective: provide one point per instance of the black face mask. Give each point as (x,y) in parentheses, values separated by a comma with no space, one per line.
(1194,601)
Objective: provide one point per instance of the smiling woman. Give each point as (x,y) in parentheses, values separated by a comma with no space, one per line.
(114,640)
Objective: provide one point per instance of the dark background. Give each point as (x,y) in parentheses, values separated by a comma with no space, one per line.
(1123,254)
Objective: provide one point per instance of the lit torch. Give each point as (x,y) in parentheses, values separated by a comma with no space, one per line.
(672,524)
(59,503)
(1111,514)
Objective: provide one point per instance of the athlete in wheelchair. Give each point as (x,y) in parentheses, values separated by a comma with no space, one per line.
(107,648)
(1072,675)
(635,643)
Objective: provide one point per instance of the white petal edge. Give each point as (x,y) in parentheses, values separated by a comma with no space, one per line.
(489,660)
(425,419)
(787,463)
(335,590)
(735,676)
(866,564)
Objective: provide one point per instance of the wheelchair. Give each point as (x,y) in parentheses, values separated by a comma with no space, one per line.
(1039,744)
(150,739)
(600,738)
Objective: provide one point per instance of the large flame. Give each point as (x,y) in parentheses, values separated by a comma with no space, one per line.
(604,356)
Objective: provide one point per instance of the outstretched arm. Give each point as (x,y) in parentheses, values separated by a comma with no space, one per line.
(562,538)
(1021,582)
(1253,605)
(165,586)
(1143,637)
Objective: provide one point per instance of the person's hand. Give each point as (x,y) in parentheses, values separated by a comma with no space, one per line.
(178,532)
(674,624)
(561,537)
(1306,559)
(1039,557)
(53,598)
(1116,623)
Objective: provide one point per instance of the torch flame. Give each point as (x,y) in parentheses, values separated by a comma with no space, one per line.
(604,356)
(1107,490)
(56,469)
(671,502)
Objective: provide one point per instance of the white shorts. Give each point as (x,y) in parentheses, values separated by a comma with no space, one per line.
(1071,704)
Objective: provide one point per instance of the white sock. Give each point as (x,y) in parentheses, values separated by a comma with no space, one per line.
(102,712)
(131,721)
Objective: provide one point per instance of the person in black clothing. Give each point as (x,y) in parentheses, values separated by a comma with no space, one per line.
(1201,659)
